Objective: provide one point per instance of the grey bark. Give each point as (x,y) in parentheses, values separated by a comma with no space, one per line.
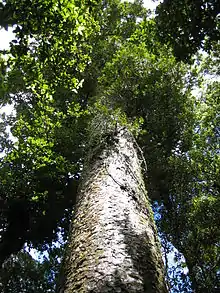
(113,244)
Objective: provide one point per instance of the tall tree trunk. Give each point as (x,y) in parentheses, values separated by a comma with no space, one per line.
(113,244)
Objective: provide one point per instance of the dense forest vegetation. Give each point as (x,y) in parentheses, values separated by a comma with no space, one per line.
(75,74)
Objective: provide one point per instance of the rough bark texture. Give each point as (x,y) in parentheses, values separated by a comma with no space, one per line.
(113,244)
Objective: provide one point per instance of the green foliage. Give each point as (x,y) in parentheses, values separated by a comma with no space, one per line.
(190,218)
(49,88)
(188,25)
(204,234)
(39,171)
(77,71)
(22,273)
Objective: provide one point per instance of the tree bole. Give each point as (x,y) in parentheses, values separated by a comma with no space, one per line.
(113,244)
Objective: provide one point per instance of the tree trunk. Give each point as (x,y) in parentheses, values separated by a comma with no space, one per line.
(113,244)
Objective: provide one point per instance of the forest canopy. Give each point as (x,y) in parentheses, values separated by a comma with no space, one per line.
(73,69)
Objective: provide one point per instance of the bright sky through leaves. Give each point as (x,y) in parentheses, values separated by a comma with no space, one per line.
(5,38)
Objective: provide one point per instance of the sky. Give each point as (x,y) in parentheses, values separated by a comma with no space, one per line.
(5,38)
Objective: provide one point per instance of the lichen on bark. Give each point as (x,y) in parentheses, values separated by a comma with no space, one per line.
(113,244)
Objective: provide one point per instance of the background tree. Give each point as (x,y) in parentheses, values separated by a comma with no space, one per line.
(188,25)
(197,212)
(198,28)
(22,273)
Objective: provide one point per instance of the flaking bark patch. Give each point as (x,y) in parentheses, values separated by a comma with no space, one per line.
(113,244)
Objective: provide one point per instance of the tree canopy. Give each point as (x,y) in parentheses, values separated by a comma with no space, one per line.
(72,61)
(188,25)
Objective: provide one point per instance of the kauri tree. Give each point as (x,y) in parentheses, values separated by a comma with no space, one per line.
(100,101)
